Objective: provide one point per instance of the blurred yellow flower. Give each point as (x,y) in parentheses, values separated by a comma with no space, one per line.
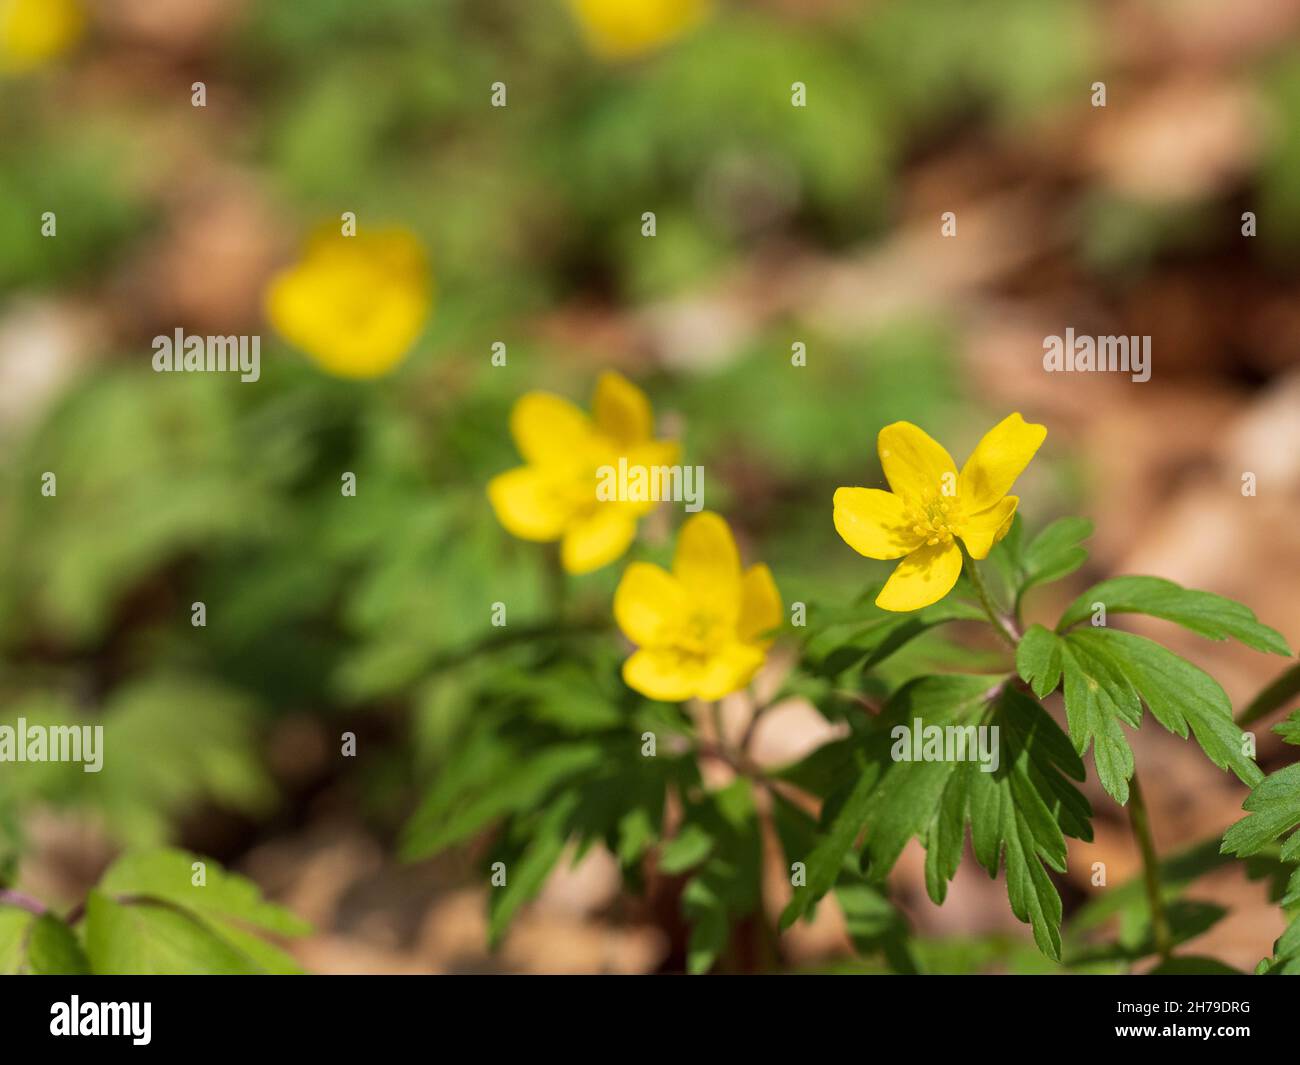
(355,304)
(700,630)
(554,496)
(34,31)
(931,504)
(621,29)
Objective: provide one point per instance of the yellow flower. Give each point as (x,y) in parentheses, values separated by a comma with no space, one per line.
(355,304)
(34,31)
(622,29)
(700,629)
(931,504)
(554,496)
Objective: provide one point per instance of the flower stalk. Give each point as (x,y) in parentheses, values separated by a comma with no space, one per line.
(1140,820)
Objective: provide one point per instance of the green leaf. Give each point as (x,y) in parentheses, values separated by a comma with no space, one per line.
(1178,694)
(1038,660)
(845,814)
(868,634)
(1108,675)
(153,939)
(526,873)
(1097,698)
(53,949)
(725,887)
(1274,810)
(39,944)
(500,785)
(1289,729)
(1202,612)
(1055,552)
(1019,815)
(167,875)
(685,850)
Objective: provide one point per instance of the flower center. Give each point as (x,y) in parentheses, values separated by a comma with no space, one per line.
(932,520)
(701,632)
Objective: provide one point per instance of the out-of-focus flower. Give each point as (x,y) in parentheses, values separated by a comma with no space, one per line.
(931,504)
(622,29)
(35,31)
(555,495)
(701,630)
(354,304)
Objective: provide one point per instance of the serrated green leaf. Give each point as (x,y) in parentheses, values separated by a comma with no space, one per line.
(1289,729)
(1019,815)
(1274,810)
(1038,660)
(1205,613)
(1178,694)
(936,699)
(1098,697)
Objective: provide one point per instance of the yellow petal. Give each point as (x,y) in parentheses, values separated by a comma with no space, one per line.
(649,604)
(549,430)
(760,604)
(915,464)
(979,532)
(528,504)
(620,29)
(728,670)
(621,410)
(354,304)
(655,453)
(33,31)
(598,538)
(923,577)
(871,522)
(708,565)
(667,675)
(997,461)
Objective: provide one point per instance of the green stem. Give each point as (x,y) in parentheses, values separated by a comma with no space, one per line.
(1281,691)
(999,621)
(557,581)
(1140,819)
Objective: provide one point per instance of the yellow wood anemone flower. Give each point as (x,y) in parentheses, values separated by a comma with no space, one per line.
(33,32)
(555,496)
(700,630)
(355,304)
(931,504)
(623,29)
